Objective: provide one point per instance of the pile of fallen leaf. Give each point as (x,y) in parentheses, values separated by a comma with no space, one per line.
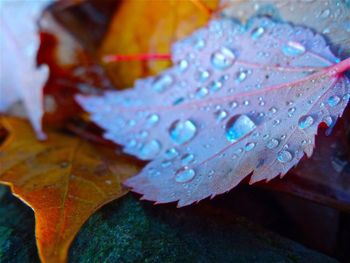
(71,174)
(75,171)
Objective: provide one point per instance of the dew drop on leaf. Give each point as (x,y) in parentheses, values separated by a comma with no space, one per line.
(273,143)
(187,158)
(293,49)
(249,146)
(150,149)
(284,156)
(152,119)
(202,75)
(305,122)
(215,86)
(333,101)
(257,33)
(201,92)
(162,83)
(223,58)
(239,126)
(183,65)
(182,131)
(184,175)
(171,153)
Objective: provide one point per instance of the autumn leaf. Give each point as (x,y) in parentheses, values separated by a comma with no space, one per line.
(64,180)
(149,27)
(248,100)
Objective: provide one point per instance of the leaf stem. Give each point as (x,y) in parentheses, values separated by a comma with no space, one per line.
(135,57)
(342,66)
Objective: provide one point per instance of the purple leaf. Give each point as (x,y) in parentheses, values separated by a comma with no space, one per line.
(239,101)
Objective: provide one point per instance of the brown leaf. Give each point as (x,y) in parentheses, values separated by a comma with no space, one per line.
(64,180)
(141,27)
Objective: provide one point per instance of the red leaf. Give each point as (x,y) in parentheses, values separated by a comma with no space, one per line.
(240,101)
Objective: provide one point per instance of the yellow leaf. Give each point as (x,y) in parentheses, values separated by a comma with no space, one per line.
(150,27)
(64,180)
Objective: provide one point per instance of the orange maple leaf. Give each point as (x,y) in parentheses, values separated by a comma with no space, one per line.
(64,180)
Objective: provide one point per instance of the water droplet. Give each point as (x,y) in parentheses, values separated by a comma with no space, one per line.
(333,101)
(165,164)
(241,75)
(273,110)
(291,111)
(152,119)
(221,115)
(249,146)
(233,104)
(150,149)
(328,120)
(284,156)
(171,153)
(184,175)
(325,13)
(273,143)
(276,122)
(257,33)
(182,131)
(305,121)
(201,92)
(293,49)
(202,75)
(161,83)
(223,58)
(183,65)
(143,134)
(187,158)
(215,86)
(178,101)
(199,44)
(246,102)
(238,126)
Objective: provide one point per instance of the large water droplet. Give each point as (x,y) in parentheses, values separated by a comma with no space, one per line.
(305,121)
(223,58)
(238,126)
(284,156)
(325,13)
(184,175)
(182,131)
(150,149)
(257,33)
(161,83)
(273,143)
(293,49)
(333,101)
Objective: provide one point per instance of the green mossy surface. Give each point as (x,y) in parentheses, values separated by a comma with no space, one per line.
(129,230)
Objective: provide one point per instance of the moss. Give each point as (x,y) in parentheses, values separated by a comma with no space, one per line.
(129,230)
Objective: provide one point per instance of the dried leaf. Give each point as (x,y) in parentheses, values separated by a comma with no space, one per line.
(247,101)
(141,27)
(64,180)
(20,78)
